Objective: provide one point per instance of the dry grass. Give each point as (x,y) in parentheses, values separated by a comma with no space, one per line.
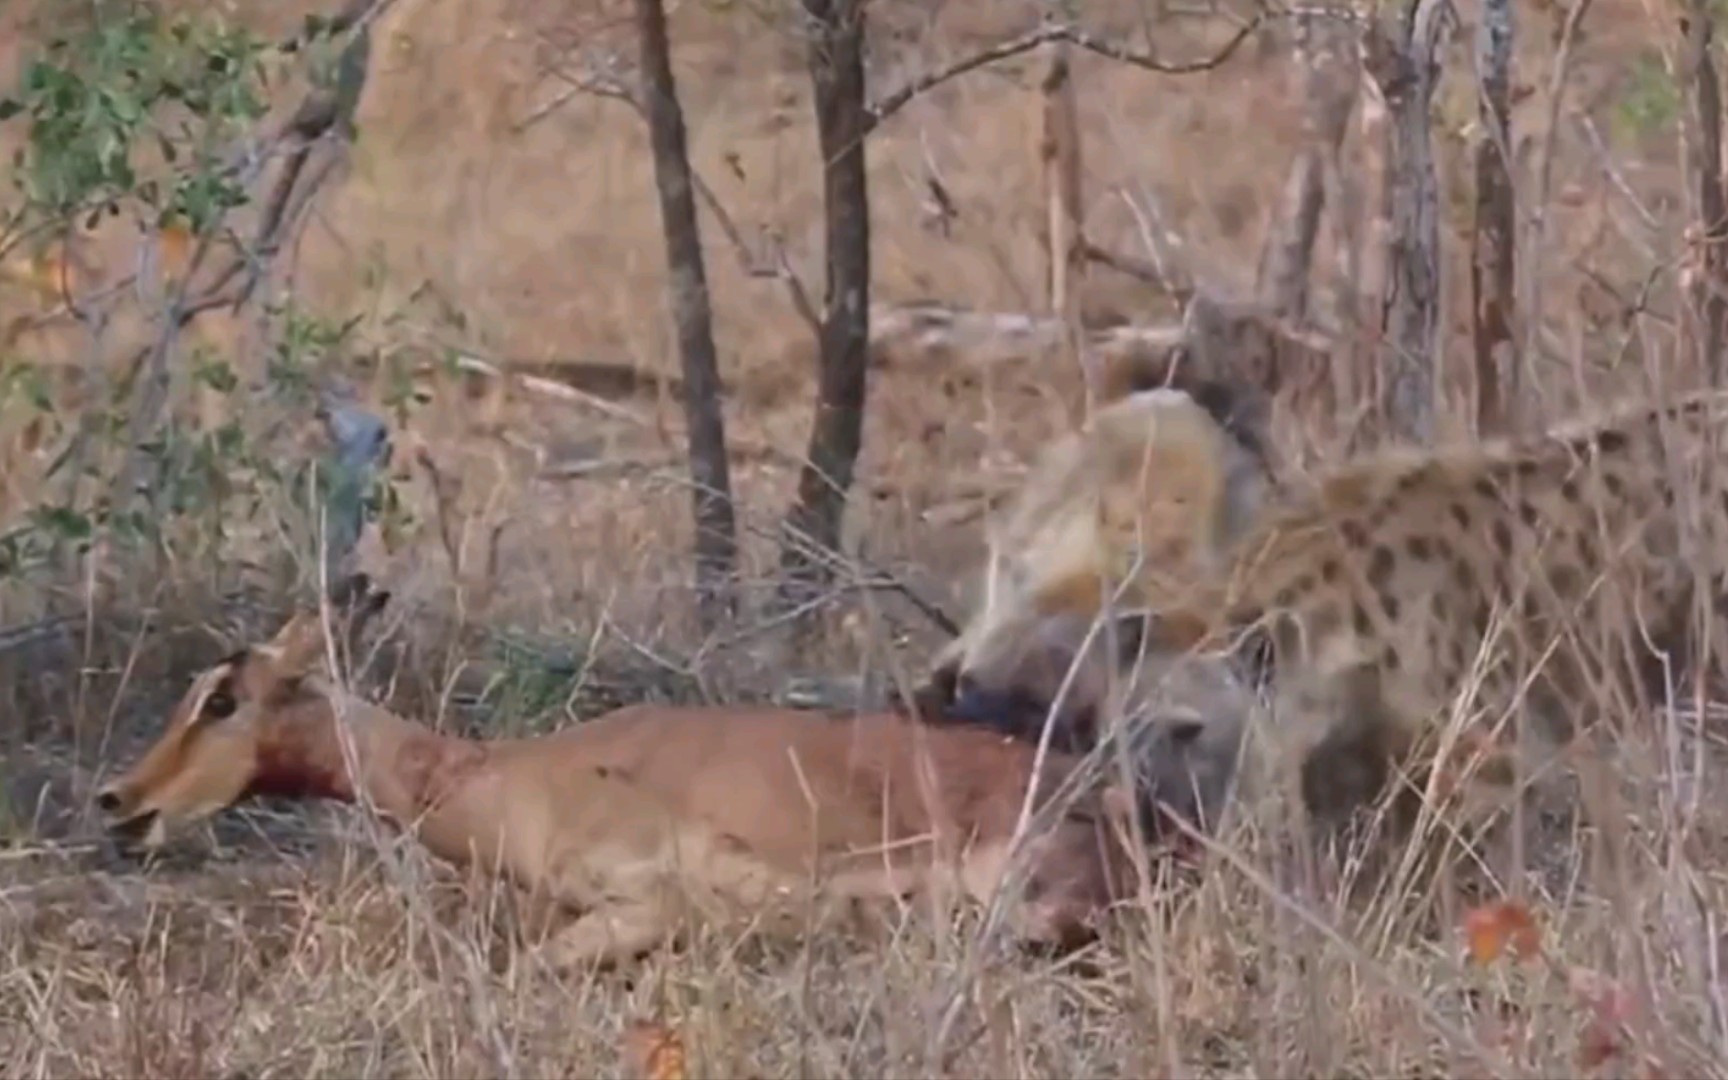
(303,950)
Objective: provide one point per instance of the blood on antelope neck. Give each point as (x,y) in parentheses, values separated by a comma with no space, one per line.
(288,767)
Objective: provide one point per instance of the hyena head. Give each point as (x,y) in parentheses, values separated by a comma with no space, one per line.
(1146,499)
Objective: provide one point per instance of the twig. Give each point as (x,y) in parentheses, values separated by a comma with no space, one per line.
(1180,280)
(780,268)
(1616,178)
(1630,308)
(605,86)
(1144,269)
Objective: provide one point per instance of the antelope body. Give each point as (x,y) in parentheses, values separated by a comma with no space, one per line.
(639,820)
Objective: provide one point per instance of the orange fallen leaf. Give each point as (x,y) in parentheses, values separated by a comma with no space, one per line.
(176,250)
(654,1051)
(1492,928)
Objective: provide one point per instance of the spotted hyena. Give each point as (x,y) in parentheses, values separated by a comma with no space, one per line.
(1557,578)
(1182,472)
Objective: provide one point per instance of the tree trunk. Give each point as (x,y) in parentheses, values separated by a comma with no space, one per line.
(716,526)
(1494,228)
(1328,85)
(836,435)
(1402,61)
(1706,270)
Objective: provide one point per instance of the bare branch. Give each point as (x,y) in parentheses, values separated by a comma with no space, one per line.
(1133,266)
(899,99)
(1605,160)
(1149,62)
(607,83)
(776,266)
(475,365)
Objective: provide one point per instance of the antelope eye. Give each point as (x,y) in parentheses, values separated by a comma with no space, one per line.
(220,705)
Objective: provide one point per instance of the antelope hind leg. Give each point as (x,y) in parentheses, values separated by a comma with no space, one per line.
(610,934)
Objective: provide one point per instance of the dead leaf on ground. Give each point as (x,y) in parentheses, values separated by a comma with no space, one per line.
(1493,928)
(176,250)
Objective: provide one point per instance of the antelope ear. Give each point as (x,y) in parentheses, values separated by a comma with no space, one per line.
(296,647)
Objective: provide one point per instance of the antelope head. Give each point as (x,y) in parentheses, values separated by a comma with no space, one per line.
(233,734)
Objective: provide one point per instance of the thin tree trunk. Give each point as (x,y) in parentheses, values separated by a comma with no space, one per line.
(1328,80)
(1403,62)
(716,526)
(1364,265)
(1059,152)
(836,435)
(1494,229)
(1705,323)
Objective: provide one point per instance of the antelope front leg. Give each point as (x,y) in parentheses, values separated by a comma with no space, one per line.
(609,934)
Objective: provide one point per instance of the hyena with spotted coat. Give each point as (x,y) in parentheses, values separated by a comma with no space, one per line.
(1559,577)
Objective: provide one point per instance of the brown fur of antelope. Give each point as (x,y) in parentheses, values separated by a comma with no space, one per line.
(639,820)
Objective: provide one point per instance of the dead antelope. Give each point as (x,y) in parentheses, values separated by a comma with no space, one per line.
(640,820)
